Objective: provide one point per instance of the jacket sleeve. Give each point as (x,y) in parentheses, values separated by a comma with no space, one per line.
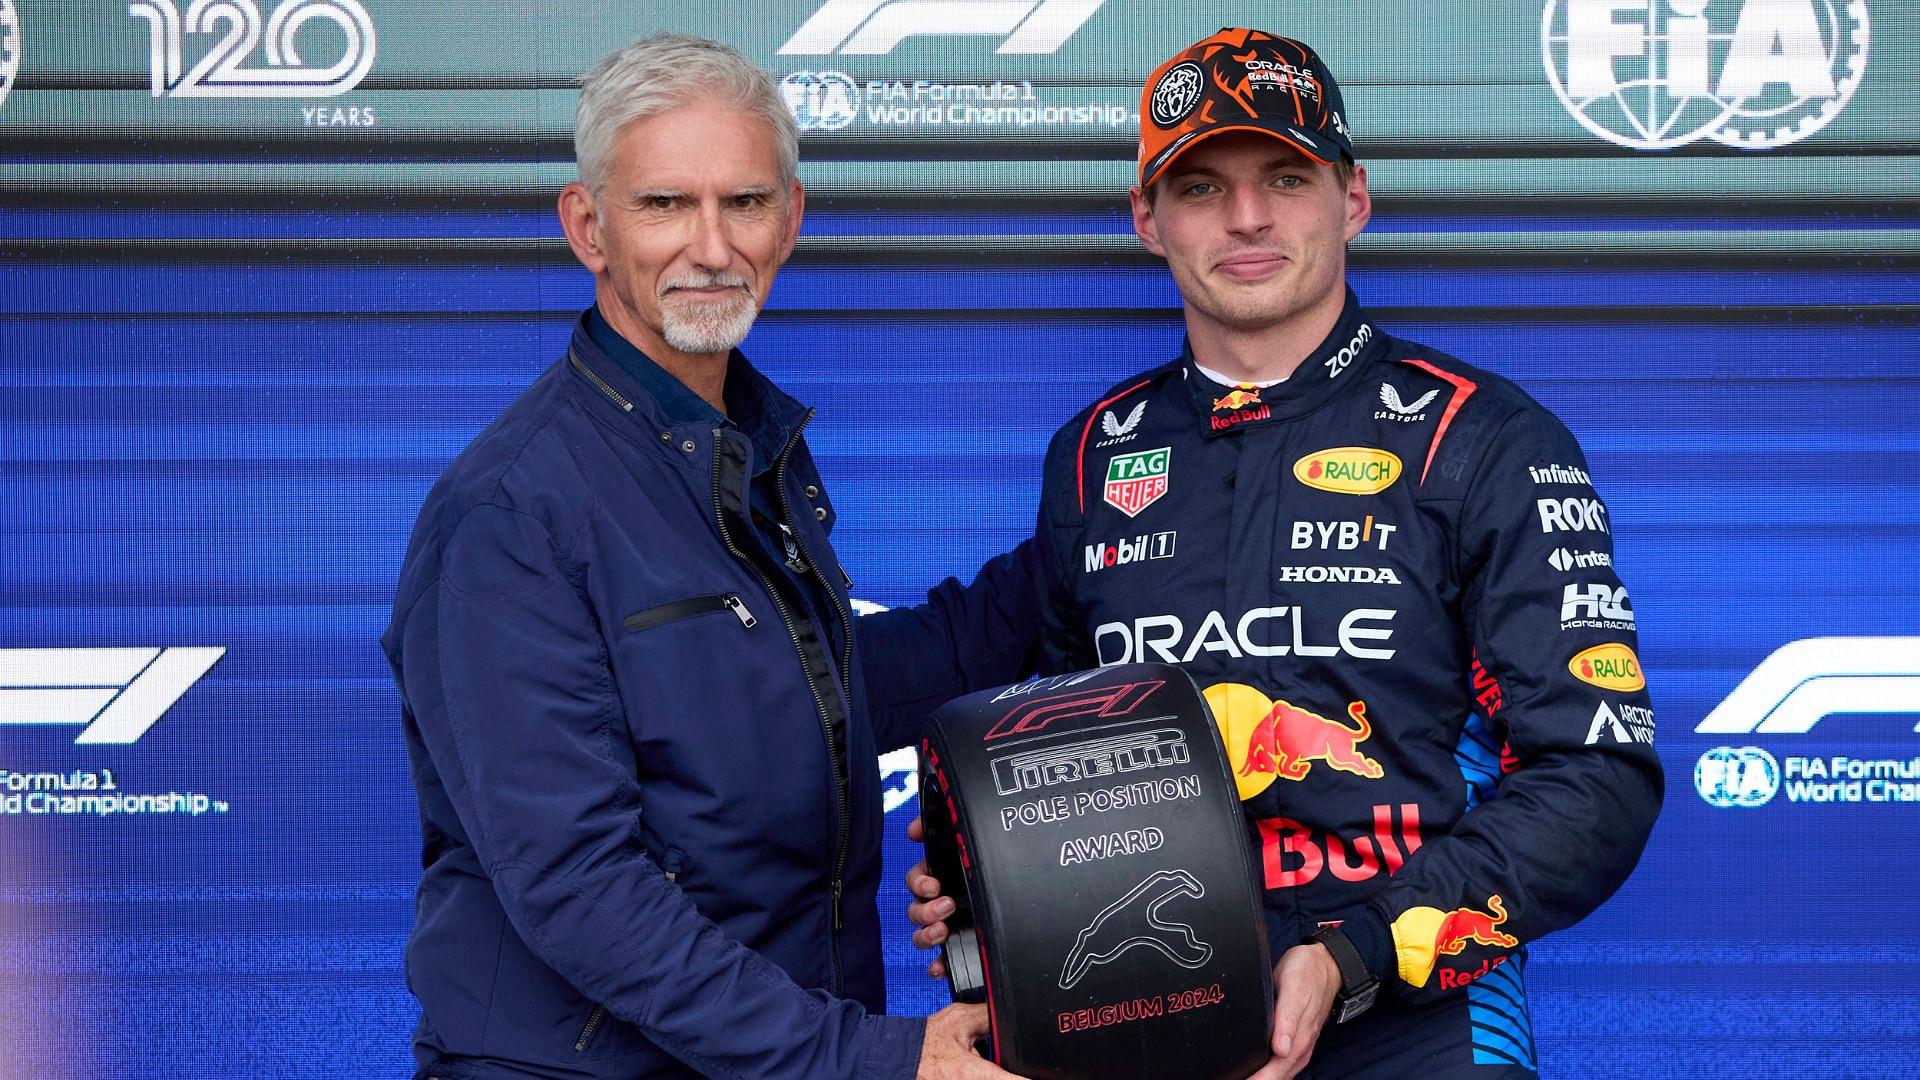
(1583,784)
(504,669)
(964,638)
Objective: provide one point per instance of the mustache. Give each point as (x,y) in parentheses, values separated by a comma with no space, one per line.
(703,281)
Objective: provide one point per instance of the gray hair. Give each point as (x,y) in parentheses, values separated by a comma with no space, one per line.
(661,72)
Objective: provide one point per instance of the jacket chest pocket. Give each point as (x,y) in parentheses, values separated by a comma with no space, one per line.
(690,608)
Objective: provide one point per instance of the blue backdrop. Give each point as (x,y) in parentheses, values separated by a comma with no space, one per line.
(237,345)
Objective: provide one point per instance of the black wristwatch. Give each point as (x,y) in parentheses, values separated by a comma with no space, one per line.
(1358,987)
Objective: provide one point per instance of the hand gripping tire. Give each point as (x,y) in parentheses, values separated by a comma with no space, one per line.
(1089,831)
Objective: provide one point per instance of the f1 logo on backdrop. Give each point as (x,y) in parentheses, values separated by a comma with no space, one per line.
(233,27)
(117,694)
(1752,74)
(1802,683)
(875,27)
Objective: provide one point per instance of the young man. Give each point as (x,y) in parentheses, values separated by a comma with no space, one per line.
(633,705)
(1388,570)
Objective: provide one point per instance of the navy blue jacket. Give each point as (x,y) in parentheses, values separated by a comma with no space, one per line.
(1392,575)
(649,804)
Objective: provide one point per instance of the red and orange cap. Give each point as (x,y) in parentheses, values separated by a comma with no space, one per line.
(1241,80)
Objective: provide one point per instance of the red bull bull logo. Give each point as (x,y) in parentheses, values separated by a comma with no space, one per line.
(1238,398)
(1269,740)
(1422,935)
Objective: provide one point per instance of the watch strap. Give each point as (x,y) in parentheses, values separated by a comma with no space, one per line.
(1358,987)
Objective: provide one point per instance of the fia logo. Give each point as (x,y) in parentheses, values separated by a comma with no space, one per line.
(821,100)
(218,73)
(9,47)
(1656,74)
(875,27)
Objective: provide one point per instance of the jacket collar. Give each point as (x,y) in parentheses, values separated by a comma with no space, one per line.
(614,391)
(1334,364)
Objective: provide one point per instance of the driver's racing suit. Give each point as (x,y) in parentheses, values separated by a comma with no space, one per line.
(1393,578)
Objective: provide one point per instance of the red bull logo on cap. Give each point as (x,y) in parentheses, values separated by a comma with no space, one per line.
(1268,740)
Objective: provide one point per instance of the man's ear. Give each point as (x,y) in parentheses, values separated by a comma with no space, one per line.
(1143,223)
(580,220)
(796,209)
(1359,203)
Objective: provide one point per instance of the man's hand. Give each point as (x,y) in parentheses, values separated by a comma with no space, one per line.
(947,1053)
(927,912)
(1306,981)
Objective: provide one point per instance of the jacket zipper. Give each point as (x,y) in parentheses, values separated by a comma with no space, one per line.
(686,609)
(819,703)
(594,378)
(593,1024)
(846,660)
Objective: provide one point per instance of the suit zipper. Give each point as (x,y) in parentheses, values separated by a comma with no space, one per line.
(846,660)
(819,703)
(593,1024)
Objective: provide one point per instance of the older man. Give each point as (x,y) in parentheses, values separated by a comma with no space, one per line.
(632,701)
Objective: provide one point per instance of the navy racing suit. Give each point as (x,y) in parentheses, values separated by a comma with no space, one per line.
(1392,577)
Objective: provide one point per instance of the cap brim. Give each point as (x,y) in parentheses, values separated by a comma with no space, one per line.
(1320,150)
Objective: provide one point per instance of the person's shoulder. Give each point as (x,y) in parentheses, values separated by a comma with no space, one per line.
(1122,404)
(523,461)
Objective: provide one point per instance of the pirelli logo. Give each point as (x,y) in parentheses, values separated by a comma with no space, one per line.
(1090,759)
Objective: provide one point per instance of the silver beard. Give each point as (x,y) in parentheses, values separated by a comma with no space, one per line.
(694,326)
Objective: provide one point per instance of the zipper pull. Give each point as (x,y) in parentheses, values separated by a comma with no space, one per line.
(838,887)
(739,608)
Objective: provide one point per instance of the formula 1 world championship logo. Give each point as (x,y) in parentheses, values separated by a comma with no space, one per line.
(1752,74)
(9,47)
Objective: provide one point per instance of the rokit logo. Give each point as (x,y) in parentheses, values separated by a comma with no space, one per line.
(234,26)
(1656,74)
(9,47)
(1800,684)
(876,27)
(1572,515)
(113,695)
(1138,549)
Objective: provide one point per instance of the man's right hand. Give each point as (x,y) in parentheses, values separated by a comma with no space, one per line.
(947,1053)
(929,912)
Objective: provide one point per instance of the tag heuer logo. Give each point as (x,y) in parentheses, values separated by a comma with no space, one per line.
(1135,481)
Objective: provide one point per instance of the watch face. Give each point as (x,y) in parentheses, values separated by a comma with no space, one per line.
(1360,1002)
